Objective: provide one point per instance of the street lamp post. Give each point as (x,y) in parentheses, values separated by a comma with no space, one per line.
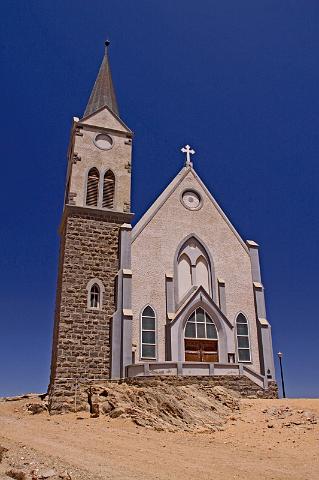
(282,375)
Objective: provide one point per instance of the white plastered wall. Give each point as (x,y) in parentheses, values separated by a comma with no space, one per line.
(154,249)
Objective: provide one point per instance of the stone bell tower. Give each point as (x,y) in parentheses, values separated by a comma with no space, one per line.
(95,249)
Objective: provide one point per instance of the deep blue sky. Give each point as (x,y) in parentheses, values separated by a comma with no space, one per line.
(238,80)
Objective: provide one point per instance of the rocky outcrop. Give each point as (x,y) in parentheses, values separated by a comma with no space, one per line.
(165,407)
(74,398)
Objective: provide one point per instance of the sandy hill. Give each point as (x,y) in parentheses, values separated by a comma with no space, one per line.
(161,433)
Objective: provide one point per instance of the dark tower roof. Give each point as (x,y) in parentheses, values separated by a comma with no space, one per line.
(103,91)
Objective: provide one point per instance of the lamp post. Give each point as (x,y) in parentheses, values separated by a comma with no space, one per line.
(282,375)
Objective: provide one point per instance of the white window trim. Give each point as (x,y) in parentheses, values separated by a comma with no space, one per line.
(102,290)
(248,336)
(141,333)
(202,323)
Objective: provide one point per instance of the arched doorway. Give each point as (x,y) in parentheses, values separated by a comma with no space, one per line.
(201,338)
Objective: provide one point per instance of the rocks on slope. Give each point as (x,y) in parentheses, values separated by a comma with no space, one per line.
(288,417)
(165,407)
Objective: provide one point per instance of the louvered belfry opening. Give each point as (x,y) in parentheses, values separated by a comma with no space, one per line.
(92,193)
(108,190)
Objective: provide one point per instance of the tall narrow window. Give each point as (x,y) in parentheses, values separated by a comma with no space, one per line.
(108,190)
(95,298)
(148,333)
(95,290)
(243,346)
(92,192)
(202,274)
(184,275)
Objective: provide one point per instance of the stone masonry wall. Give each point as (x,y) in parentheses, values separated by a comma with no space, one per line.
(238,383)
(81,343)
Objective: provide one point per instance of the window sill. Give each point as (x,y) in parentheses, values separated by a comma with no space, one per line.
(152,359)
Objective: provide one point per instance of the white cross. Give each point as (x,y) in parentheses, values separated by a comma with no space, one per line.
(189,151)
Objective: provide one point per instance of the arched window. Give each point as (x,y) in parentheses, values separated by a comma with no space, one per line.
(148,333)
(108,190)
(184,275)
(95,297)
(95,290)
(193,268)
(243,347)
(92,190)
(200,325)
(201,338)
(202,273)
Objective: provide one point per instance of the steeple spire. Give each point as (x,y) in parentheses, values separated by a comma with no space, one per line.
(103,91)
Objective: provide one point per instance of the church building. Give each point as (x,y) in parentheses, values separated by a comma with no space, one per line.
(179,294)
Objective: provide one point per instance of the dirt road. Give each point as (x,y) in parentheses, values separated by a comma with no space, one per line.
(256,443)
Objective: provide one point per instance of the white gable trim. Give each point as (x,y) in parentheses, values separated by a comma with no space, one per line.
(201,293)
(84,119)
(164,196)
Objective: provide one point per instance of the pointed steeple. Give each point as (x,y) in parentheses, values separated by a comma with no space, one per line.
(103,91)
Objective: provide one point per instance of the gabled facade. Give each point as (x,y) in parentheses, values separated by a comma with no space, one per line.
(187,257)
(179,294)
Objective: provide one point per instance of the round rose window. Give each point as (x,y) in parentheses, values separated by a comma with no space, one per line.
(191,200)
(103,141)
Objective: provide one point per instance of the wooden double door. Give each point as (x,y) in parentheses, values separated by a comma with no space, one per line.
(197,350)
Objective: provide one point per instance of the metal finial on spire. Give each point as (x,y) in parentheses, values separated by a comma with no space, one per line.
(189,151)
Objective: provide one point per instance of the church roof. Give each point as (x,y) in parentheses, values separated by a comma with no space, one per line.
(103,93)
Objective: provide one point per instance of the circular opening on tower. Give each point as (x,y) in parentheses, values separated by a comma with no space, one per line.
(103,141)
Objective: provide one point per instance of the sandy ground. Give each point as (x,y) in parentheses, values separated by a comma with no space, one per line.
(253,445)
